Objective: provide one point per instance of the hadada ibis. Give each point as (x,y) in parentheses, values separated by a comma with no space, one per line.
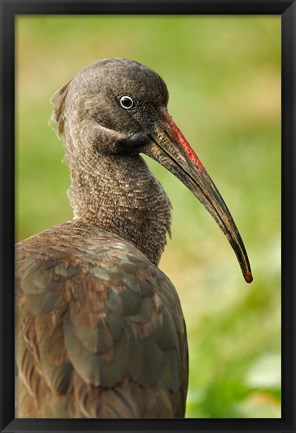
(100,329)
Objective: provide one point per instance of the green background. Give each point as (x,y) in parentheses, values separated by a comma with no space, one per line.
(223,74)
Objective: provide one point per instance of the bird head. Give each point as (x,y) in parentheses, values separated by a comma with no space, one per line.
(119,107)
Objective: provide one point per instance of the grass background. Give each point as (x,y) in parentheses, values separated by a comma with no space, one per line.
(223,74)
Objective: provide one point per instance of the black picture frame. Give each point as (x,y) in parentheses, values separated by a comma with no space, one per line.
(9,10)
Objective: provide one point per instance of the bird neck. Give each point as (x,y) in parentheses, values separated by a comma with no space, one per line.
(119,194)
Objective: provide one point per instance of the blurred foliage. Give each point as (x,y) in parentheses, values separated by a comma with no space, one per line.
(223,74)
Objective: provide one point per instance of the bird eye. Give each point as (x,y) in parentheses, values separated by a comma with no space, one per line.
(126,102)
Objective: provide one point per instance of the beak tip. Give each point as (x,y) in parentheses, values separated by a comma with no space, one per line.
(248,276)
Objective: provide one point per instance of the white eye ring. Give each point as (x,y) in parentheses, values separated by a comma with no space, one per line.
(126,102)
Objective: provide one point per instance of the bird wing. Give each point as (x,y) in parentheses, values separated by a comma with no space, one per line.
(100,331)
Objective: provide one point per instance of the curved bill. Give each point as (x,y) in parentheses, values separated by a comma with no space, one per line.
(170,148)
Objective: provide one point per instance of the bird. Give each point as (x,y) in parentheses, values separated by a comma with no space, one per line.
(100,331)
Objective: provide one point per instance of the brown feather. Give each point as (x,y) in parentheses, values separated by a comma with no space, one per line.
(111,338)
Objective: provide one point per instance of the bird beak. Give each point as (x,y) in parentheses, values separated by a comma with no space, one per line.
(171,149)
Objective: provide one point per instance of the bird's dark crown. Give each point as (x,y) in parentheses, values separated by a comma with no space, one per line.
(92,100)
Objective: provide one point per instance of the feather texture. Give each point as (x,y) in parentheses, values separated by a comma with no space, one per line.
(100,329)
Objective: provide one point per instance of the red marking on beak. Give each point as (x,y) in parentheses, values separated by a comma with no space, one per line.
(182,140)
